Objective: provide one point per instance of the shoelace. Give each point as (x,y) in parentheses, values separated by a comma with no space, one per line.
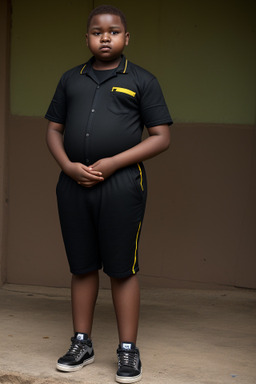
(128,359)
(76,347)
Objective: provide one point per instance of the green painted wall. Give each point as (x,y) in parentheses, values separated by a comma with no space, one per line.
(203,53)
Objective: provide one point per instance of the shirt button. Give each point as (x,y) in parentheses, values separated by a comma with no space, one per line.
(98,86)
(87,134)
(93,110)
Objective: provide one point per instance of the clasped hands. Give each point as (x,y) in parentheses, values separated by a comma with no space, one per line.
(93,174)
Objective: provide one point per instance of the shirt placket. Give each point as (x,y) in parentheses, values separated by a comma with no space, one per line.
(89,126)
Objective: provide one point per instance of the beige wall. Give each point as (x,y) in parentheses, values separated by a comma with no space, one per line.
(200,225)
(4,114)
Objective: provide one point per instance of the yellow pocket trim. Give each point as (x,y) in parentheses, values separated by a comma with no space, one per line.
(124,90)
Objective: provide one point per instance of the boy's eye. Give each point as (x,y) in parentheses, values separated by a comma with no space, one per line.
(97,33)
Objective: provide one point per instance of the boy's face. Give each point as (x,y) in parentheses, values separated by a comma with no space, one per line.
(106,37)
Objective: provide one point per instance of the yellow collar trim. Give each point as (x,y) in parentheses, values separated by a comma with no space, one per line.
(124,71)
(81,72)
(125,67)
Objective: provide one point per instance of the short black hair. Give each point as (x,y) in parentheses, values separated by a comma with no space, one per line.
(107,9)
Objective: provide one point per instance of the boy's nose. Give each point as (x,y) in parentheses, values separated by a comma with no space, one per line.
(105,37)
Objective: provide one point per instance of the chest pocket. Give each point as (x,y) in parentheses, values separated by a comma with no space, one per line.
(122,100)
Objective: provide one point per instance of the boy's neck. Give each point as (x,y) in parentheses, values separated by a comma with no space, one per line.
(105,65)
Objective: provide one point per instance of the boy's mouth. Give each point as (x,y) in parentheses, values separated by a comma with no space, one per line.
(105,48)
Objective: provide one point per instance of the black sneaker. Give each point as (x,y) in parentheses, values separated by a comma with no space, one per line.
(129,364)
(79,354)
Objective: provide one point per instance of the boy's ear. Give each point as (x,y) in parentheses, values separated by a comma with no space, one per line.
(86,39)
(127,38)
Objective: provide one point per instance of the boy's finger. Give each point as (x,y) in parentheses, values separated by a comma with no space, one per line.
(93,172)
(90,178)
(96,173)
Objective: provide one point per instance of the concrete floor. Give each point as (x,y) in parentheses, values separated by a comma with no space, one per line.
(186,336)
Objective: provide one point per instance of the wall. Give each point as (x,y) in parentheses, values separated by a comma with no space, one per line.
(200,227)
(4,113)
(203,53)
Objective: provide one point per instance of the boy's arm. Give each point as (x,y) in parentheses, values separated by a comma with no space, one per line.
(77,171)
(157,142)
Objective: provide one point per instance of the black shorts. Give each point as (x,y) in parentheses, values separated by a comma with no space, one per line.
(102,225)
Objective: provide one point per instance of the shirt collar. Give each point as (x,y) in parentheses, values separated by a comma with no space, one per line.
(122,68)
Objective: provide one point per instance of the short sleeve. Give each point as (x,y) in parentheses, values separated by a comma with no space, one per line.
(57,109)
(154,110)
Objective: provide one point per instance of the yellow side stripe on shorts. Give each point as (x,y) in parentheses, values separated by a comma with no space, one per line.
(141,178)
(124,90)
(136,249)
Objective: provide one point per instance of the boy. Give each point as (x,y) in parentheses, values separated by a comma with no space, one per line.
(102,106)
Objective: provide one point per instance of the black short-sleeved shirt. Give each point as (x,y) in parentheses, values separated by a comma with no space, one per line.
(103,119)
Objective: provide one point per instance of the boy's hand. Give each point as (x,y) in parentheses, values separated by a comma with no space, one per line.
(86,176)
(106,166)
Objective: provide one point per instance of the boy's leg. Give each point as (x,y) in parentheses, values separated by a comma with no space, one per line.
(121,216)
(126,299)
(78,212)
(84,292)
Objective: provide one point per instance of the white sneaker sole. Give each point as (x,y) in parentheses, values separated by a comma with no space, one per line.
(68,368)
(127,380)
